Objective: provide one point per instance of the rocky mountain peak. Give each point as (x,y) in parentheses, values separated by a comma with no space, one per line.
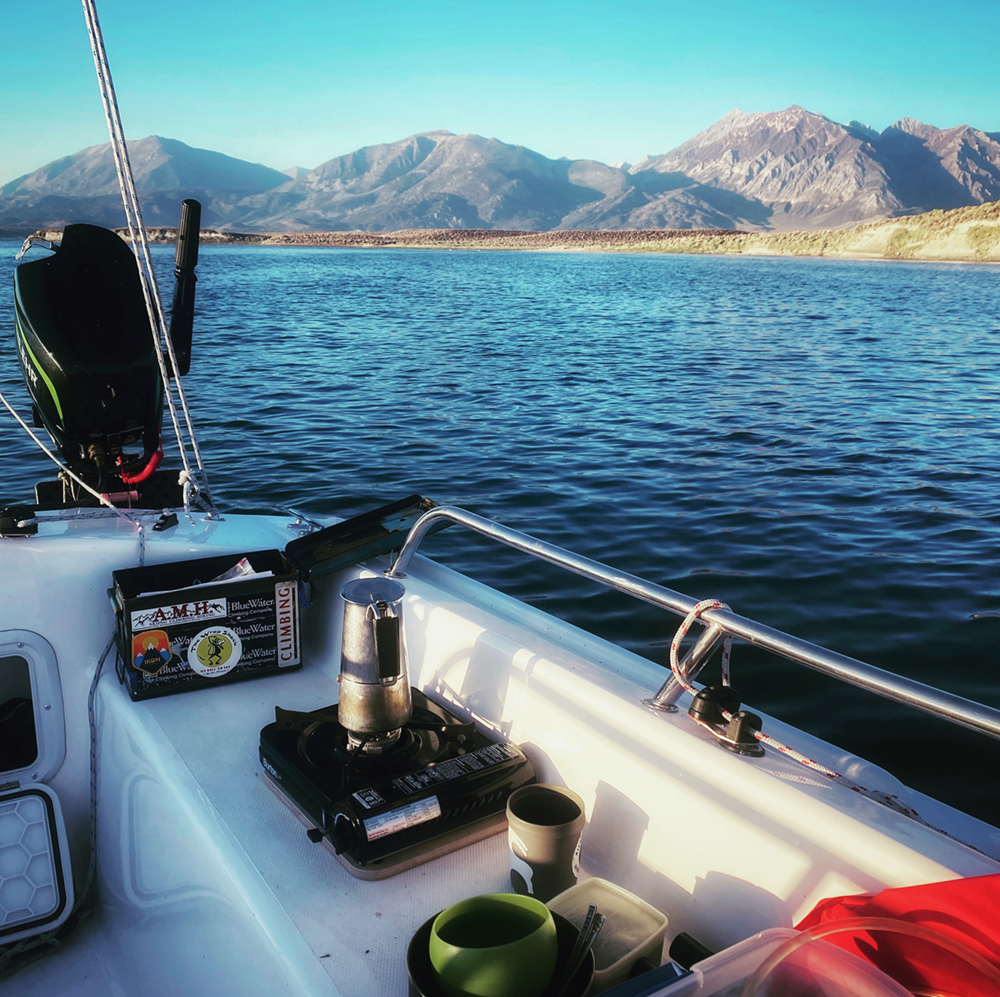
(806,170)
(910,126)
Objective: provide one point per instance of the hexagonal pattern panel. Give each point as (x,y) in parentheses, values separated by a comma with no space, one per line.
(27,862)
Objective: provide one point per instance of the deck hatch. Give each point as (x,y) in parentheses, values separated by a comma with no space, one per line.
(36,884)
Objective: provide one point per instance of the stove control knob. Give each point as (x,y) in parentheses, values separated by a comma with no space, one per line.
(342,834)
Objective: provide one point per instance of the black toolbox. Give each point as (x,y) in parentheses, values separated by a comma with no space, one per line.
(174,632)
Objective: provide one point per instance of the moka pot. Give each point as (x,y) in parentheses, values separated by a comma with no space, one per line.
(374,684)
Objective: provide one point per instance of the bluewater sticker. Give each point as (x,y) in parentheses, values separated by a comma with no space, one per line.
(401,818)
(214,651)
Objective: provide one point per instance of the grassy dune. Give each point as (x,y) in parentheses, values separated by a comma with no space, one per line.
(965,234)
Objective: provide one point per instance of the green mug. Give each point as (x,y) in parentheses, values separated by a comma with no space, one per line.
(496,945)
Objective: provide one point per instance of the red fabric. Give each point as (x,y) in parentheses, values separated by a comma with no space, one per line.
(966,910)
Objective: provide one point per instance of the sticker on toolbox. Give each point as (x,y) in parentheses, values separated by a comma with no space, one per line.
(401,818)
(184,612)
(151,651)
(214,651)
(286,620)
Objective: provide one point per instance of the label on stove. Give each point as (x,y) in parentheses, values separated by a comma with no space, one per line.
(401,818)
(368,798)
(455,768)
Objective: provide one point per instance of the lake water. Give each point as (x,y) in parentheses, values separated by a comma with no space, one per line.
(815,442)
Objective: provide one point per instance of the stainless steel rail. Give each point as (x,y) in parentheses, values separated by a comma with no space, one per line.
(955,709)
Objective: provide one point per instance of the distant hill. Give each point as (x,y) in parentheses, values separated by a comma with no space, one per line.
(434,180)
(84,187)
(790,170)
(941,168)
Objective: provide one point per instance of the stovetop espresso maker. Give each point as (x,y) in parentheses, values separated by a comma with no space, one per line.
(375,701)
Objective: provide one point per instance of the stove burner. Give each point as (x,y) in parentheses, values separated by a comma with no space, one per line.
(329,747)
(439,784)
(373,744)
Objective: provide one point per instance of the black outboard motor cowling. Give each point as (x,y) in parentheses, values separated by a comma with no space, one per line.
(87,353)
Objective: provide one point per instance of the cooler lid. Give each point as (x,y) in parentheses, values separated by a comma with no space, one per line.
(36,887)
(32,731)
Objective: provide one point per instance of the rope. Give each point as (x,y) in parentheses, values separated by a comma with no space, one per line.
(91,869)
(187,480)
(886,799)
(140,247)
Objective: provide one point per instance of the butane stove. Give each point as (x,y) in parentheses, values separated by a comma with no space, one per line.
(440,785)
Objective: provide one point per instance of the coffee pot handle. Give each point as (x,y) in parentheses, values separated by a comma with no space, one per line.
(385,630)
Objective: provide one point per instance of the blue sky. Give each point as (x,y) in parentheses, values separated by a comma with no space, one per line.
(294,84)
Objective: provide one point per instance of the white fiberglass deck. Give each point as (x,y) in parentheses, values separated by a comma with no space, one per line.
(208,883)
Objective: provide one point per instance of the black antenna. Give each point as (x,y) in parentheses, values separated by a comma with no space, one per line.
(185,260)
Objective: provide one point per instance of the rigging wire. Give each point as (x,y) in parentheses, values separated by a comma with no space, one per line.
(195,484)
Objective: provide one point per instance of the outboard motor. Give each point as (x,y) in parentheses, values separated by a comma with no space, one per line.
(86,350)
(88,357)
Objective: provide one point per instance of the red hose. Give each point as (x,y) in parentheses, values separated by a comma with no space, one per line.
(146,472)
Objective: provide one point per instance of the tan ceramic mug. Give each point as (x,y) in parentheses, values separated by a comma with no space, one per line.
(544,829)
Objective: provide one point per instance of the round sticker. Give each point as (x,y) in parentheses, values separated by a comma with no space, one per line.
(214,651)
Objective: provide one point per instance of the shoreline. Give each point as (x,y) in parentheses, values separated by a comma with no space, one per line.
(963,235)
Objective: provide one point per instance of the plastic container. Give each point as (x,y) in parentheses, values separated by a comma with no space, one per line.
(808,952)
(819,969)
(633,930)
(782,961)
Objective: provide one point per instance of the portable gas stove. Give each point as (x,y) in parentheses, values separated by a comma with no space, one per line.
(440,784)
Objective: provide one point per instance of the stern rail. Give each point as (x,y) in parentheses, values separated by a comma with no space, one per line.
(719,623)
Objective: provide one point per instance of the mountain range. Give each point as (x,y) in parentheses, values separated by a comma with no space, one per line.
(782,171)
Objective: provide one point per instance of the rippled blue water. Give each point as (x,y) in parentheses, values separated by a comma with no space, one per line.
(813,441)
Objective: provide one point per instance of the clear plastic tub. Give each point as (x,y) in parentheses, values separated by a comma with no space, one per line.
(633,930)
(781,962)
(805,951)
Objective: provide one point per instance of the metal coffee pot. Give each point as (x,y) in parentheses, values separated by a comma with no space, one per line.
(374,684)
